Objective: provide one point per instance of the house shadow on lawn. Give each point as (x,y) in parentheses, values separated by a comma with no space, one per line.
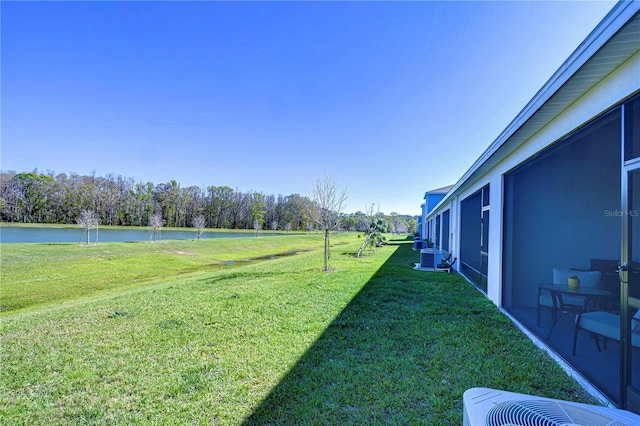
(373,363)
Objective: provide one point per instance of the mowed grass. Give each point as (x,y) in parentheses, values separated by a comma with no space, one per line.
(274,342)
(40,274)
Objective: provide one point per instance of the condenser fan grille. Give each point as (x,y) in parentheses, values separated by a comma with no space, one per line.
(545,413)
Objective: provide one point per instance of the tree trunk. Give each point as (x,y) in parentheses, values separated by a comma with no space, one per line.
(326,250)
(366,241)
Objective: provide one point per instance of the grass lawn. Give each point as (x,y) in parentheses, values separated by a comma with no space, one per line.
(48,274)
(273,342)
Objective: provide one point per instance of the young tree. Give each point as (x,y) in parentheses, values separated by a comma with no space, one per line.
(256,209)
(274,225)
(287,227)
(373,226)
(328,202)
(256,226)
(374,234)
(199,223)
(88,220)
(395,222)
(156,223)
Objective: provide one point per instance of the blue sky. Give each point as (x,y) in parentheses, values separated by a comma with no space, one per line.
(389,99)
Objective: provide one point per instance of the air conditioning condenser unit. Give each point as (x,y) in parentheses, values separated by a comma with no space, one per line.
(430,258)
(492,407)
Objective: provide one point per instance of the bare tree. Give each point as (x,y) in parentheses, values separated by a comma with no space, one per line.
(287,227)
(274,225)
(88,220)
(328,202)
(199,223)
(156,223)
(398,224)
(256,226)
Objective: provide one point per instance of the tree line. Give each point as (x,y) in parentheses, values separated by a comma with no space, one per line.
(34,197)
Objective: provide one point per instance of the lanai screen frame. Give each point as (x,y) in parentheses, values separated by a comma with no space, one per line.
(559,210)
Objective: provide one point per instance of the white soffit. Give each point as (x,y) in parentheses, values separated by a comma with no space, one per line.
(610,44)
(617,50)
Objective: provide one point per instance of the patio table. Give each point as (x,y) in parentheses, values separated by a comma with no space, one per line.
(588,294)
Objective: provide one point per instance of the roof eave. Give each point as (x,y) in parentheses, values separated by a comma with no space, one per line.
(614,21)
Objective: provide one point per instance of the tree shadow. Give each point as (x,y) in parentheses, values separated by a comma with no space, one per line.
(369,364)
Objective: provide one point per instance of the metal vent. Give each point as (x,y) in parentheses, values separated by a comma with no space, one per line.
(545,413)
(427,259)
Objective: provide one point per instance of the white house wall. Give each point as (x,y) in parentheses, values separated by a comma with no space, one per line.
(612,90)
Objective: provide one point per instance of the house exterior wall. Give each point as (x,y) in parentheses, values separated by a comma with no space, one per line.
(552,174)
(619,85)
(433,200)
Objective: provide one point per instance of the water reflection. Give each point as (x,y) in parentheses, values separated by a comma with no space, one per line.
(23,234)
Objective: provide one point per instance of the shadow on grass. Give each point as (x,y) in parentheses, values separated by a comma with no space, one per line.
(374,363)
(404,350)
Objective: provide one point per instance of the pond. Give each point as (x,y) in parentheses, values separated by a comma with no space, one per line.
(37,234)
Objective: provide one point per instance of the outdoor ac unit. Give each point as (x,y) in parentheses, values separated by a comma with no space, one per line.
(430,258)
(491,407)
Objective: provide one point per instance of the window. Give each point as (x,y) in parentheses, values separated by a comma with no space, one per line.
(445,230)
(474,237)
(632,129)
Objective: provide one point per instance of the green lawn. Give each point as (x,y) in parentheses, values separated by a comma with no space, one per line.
(175,338)
(41,274)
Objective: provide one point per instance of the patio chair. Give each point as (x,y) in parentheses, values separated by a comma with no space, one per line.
(610,280)
(606,325)
(591,279)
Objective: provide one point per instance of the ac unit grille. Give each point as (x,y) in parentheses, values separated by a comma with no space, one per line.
(427,260)
(545,413)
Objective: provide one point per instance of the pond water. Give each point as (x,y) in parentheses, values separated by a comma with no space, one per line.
(23,234)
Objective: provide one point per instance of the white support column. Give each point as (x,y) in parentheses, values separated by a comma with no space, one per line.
(454,225)
(494,272)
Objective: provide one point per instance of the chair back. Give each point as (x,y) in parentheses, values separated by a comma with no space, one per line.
(590,279)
